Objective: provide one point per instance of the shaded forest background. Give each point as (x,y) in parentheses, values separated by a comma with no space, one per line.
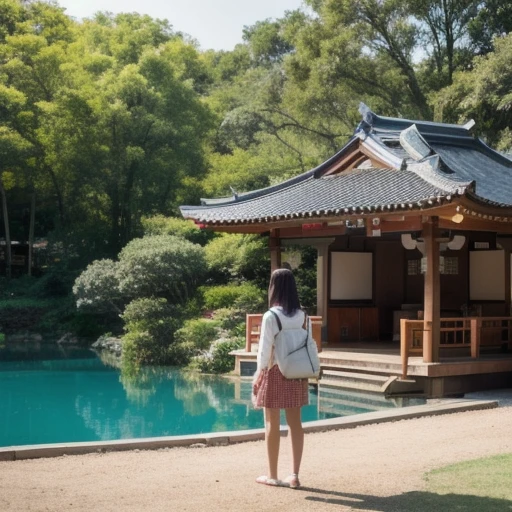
(108,125)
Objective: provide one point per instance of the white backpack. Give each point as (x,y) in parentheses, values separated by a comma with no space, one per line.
(296,352)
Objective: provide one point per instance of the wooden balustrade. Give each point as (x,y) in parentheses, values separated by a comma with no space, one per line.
(253,330)
(472,332)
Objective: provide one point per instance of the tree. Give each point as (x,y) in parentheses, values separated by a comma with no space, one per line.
(483,94)
(445,27)
(266,42)
(494,20)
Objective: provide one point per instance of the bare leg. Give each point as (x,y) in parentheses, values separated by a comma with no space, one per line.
(273,438)
(296,435)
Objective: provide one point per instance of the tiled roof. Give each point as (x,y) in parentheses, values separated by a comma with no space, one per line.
(463,157)
(442,161)
(362,191)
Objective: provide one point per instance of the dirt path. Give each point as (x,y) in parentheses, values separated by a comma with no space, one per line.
(370,468)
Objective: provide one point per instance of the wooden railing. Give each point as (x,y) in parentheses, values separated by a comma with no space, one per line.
(472,332)
(253,330)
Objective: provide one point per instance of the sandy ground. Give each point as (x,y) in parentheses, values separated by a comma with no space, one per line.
(369,468)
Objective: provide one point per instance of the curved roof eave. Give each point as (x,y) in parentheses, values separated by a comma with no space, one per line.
(317,171)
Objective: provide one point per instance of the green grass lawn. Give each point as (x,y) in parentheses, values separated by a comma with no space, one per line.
(490,477)
(482,485)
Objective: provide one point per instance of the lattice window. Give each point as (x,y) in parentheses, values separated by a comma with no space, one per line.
(413,267)
(451,265)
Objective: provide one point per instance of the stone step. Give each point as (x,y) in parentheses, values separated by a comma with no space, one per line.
(355,376)
(362,385)
(356,366)
(362,397)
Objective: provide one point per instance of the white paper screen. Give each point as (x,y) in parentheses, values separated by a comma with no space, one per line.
(351,276)
(486,275)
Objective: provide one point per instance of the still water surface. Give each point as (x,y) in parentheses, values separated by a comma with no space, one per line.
(58,395)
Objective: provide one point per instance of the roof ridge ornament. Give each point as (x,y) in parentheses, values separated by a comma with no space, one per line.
(414,143)
(469,125)
(430,171)
(368,118)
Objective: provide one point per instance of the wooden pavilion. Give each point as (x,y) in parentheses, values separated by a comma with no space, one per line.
(412,221)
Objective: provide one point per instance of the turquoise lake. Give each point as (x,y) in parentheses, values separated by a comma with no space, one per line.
(58,395)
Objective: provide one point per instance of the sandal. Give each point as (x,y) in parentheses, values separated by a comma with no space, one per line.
(293,481)
(265,480)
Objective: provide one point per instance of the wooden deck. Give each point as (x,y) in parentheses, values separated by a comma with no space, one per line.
(456,373)
(475,353)
(387,355)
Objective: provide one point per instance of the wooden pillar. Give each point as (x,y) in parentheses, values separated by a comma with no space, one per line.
(432,297)
(508,289)
(274,244)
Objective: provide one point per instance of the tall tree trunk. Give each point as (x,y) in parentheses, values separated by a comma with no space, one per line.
(8,258)
(31,231)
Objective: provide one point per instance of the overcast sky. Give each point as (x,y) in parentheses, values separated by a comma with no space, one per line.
(216,24)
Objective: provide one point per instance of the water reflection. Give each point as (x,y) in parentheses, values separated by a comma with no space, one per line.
(65,395)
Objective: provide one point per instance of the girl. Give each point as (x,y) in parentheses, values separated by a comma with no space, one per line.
(271,390)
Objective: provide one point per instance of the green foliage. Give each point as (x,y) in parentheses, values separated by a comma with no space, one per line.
(231,255)
(305,277)
(244,296)
(153,315)
(265,39)
(218,358)
(150,324)
(161,265)
(232,320)
(97,288)
(23,314)
(483,94)
(199,333)
(161,225)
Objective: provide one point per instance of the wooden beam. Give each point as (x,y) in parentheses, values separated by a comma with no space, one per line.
(474,224)
(408,224)
(325,230)
(246,229)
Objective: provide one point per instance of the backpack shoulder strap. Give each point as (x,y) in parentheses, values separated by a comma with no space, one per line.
(279,324)
(305,324)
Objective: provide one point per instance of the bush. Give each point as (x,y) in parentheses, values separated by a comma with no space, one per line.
(97,288)
(218,358)
(154,316)
(245,296)
(199,332)
(160,225)
(150,324)
(232,320)
(165,266)
(234,255)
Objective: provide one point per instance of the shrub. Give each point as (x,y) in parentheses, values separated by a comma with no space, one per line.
(97,288)
(161,225)
(218,358)
(230,255)
(154,316)
(150,324)
(199,332)
(245,296)
(232,320)
(166,266)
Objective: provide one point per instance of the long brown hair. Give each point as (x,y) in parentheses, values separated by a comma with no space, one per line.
(282,291)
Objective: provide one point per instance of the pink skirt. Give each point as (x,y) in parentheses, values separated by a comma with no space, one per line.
(277,392)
